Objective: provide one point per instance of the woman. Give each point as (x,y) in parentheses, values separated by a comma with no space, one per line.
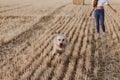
(98,8)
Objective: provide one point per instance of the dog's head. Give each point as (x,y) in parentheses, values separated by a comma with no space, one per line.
(61,40)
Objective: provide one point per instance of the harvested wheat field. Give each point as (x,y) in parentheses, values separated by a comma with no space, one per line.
(27,30)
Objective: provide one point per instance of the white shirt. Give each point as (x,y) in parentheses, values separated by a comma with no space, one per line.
(101,2)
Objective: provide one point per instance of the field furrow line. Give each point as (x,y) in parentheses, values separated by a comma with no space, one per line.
(114,35)
(114,16)
(116,28)
(79,46)
(75,56)
(88,50)
(73,62)
(94,48)
(115,21)
(70,57)
(108,29)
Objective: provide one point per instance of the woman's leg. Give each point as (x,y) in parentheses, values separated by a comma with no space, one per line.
(96,15)
(102,20)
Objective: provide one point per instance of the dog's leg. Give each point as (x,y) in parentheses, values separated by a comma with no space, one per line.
(54,52)
(63,55)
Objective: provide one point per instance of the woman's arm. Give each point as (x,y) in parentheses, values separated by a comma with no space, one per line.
(111,8)
(92,11)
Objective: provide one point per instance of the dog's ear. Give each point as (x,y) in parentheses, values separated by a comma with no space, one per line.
(67,41)
(66,38)
(57,34)
(54,39)
(54,33)
(66,35)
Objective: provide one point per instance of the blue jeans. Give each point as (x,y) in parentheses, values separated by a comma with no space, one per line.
(99,16)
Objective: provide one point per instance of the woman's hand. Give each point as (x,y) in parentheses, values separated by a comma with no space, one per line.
(114,10)
(90,14)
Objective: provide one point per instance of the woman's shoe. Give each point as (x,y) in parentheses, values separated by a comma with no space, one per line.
(104,34)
